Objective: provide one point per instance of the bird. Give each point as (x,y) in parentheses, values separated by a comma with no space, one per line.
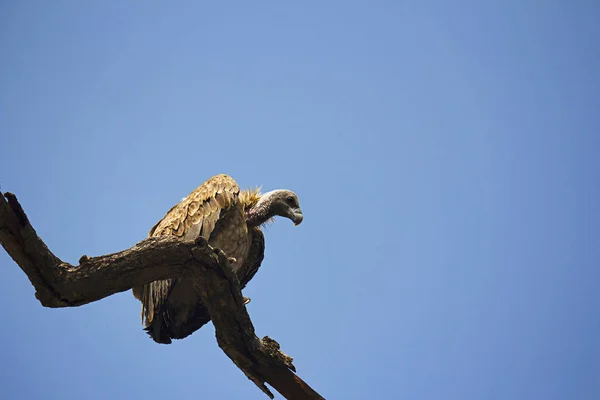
(229,219)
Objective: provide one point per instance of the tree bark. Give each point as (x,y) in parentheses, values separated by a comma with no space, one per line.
(59,284)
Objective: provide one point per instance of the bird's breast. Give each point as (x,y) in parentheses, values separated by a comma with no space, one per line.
(232,236)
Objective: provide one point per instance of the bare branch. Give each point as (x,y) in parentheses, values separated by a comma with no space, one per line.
(59,284)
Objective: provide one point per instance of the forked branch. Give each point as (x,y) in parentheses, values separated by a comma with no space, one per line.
(59,284)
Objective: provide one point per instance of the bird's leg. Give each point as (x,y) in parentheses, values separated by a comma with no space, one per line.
(231,261)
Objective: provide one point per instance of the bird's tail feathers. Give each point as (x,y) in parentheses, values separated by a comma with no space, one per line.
(154,316)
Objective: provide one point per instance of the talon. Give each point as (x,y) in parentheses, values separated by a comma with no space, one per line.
(246,300)
(231,259)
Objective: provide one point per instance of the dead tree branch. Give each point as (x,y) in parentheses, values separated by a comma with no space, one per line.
(59,284)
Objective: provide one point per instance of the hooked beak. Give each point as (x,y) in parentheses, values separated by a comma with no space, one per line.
(297,217)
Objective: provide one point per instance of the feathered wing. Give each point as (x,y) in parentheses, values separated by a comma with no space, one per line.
(194,216)
(255,258)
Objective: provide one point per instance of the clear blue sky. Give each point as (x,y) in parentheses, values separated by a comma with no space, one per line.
(445,155)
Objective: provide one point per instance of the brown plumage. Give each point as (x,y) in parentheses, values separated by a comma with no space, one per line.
(229,219)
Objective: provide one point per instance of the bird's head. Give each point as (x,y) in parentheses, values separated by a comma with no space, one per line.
(285,204)
(281,202)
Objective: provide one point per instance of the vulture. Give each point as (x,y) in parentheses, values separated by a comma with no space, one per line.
(228,219)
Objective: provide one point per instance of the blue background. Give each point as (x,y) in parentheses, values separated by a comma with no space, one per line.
(444,154)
